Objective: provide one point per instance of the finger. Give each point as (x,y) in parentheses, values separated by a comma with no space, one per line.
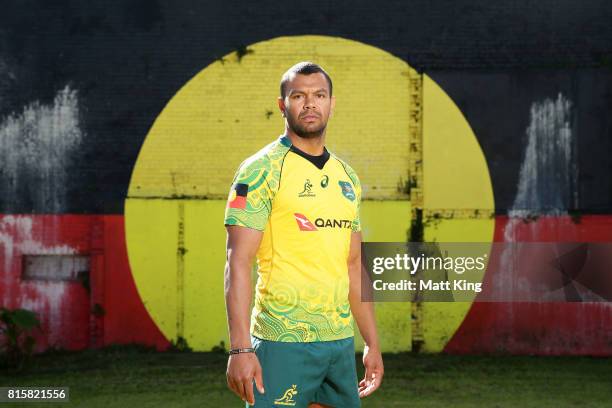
(375,383)
(248,391)
(233,384)
(372,384)
(364,384)
(367,378)
(363,387)
(364,391)
(240,389)
(259,381)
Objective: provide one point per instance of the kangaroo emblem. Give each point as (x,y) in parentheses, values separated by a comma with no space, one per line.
(287,398)
(307,192)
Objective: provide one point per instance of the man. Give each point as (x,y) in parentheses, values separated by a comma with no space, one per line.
(294,206)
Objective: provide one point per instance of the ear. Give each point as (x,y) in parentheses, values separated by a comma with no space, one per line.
(281,105)
(333,105)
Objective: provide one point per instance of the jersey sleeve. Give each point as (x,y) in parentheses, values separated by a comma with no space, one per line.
(249,202)
(356,225)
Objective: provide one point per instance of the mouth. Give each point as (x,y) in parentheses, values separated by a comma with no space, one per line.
(310,117)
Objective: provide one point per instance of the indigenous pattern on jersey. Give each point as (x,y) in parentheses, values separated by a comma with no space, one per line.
(307,206)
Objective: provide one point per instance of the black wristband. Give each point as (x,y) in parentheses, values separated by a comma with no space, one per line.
(242,350)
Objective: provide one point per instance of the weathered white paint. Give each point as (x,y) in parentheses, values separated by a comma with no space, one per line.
(54,267)
(16,238)
(547,180)
(43,297)
(35,147)
(46,300)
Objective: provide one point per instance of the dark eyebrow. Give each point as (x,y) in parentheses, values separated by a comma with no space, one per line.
(294,91)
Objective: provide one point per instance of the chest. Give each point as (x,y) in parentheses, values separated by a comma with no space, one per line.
(326,196)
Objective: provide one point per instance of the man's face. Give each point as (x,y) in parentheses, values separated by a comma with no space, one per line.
(307,104)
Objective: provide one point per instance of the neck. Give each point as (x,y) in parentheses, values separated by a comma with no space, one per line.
(312,146)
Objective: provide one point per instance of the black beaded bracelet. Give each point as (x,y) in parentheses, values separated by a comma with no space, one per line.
(242,350)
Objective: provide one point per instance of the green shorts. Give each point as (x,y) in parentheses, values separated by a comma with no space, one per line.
(296,374)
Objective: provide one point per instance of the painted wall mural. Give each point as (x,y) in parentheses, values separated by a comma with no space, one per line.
(120,131)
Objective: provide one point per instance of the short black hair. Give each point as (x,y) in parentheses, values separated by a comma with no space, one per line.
(304,68)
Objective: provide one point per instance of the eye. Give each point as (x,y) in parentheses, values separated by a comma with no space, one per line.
(321,95)
(296,96)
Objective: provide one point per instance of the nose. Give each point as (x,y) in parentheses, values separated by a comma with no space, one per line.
(309,103)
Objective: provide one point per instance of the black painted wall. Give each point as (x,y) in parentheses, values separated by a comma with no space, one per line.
(127,58)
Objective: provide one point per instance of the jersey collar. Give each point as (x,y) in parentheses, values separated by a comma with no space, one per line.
(318,161)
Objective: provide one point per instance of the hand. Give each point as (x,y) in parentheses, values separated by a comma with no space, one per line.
(374,370)
(242,368)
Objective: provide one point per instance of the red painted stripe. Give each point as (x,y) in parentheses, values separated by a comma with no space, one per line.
(65,308)
(521,328)
(540,328)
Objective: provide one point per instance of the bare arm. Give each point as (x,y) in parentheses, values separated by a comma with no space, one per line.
(242,244)
(363,313)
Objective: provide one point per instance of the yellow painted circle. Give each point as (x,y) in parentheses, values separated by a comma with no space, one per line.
(228,111)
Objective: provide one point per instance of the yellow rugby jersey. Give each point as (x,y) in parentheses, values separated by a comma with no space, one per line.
(307,206)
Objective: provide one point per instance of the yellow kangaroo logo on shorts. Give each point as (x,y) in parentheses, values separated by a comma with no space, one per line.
(287,398)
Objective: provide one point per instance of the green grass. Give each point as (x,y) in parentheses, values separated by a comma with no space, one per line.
(138,377)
